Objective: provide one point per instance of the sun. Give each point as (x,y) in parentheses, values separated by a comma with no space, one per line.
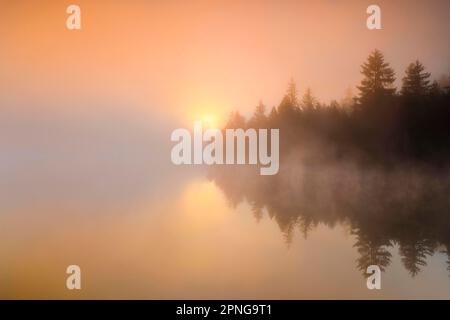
(209,120)
(211,113)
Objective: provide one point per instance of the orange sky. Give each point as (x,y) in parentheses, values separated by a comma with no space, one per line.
(182,59)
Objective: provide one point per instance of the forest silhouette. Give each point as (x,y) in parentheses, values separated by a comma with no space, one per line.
(381,124)
(377,163)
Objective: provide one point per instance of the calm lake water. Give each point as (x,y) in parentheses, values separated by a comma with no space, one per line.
(140,227)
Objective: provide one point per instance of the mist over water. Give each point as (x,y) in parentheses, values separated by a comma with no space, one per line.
(86,176)
(140,227)
(405,205)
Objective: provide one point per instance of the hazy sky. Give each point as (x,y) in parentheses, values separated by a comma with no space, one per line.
(182,59)
(85,123)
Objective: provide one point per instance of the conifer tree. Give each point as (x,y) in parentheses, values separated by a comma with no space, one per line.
(236,120)
(289,105)
(435,89)
(378,79)
(273,116)
(416,82)
(259,118)
(308,100)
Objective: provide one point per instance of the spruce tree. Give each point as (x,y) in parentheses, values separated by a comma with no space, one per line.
(308,100)
(236,120)
(289,105)
(435,89)
(416,82)
(273,117)
(259,118)
(378,79)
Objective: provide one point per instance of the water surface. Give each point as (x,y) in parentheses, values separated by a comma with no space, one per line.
(140,227)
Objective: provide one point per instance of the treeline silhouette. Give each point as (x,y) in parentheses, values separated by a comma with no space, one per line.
(376,163)
(381,124)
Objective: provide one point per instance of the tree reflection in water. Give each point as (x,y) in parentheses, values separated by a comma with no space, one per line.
(383,207)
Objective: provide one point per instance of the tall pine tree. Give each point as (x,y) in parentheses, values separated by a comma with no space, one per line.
(378,79)
(416,82)
(308,100)
(290,104)
(235,121)
(259,118)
